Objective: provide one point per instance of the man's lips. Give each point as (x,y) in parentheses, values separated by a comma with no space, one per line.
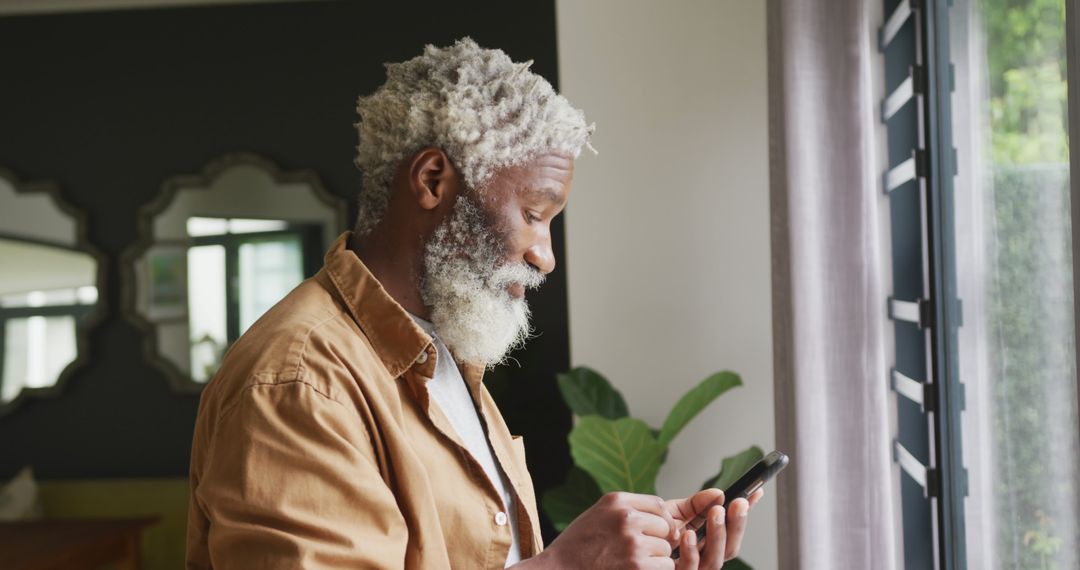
(516,290)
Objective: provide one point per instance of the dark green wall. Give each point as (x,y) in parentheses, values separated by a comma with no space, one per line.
(110,104)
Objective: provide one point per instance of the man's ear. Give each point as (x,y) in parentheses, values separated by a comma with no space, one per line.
(433,179)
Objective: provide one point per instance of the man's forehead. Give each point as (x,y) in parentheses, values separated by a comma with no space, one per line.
(546,171)
(546,177)
(554,161)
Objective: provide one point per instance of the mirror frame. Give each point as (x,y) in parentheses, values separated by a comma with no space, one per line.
(179,380)
(96,315)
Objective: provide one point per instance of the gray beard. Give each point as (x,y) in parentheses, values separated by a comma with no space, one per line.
(465,288)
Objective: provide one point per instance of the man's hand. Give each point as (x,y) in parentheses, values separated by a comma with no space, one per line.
(724,532)
(626,530)
(622,530)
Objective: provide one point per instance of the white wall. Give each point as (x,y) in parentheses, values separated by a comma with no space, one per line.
(35,215)
(668,228)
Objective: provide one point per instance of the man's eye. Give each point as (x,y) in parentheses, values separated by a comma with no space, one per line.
(531,217)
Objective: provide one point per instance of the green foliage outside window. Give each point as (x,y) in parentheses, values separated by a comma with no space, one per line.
(1025,59)
(1030,332)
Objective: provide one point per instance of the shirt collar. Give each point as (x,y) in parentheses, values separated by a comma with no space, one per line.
(472,373)
(393,333)
(396,338)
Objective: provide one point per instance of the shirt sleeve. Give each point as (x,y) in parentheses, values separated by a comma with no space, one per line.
(289,481)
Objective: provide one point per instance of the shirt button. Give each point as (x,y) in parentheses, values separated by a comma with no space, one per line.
(422,358)
(500,518)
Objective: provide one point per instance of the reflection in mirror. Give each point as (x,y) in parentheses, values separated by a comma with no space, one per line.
(217,251)
(264,259)
(49,278)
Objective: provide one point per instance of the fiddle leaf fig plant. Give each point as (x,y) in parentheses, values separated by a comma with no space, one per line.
(587,393)
(620,455)
(613,451)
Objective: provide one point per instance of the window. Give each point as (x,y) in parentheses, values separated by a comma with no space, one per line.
(988,438)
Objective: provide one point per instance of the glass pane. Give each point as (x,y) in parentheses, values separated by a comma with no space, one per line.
(206,309)
(36,351)
(268,270)
(221,226)
(207,226)
(80,296)
(87,295)
(1014,278)
(244,226)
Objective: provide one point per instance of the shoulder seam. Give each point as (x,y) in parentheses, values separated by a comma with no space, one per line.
(250,387)
(299,372)
(225,412)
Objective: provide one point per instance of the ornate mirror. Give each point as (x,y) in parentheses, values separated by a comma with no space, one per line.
(216,251)
(50,277)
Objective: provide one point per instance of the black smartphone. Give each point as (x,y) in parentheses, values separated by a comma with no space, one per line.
(743,487)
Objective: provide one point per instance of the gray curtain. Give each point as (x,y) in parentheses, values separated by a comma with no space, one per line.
(833,406)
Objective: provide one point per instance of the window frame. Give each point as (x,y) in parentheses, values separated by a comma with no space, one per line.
(940,313)
(944,330)
(1072,66)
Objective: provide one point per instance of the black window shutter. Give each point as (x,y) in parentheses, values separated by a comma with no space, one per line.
(922,306)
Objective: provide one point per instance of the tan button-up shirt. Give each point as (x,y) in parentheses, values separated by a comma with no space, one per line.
(317,445)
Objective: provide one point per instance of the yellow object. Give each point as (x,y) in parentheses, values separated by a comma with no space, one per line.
(162,543)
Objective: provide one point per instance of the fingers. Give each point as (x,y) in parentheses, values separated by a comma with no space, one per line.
(757,496)
(702,500)
(659,564)
(654,547)
(693,511)
(641,517)
(688,552)
(736,523)
(687,509)
(716,539)
(725,529)
(654,506)
(656,521)
(650,525)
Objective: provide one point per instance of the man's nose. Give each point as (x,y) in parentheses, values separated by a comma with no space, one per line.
(541,256)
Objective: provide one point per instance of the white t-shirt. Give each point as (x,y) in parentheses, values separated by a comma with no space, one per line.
(449,392)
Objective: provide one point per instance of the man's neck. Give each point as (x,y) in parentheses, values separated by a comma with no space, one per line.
(397,266)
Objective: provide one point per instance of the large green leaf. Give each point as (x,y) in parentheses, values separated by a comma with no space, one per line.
(621,455)
(564,503)
(694,401)
(737,564)
(590,394)
(731,468)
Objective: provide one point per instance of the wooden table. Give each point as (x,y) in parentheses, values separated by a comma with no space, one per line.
(76,544)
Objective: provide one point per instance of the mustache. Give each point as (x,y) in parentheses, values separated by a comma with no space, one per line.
(521,273)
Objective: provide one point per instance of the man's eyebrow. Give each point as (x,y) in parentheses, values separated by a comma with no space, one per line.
(546,192)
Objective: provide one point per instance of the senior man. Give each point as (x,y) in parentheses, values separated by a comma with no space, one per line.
(349,427)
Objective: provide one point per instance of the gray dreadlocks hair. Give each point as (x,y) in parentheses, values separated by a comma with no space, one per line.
(482,109)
